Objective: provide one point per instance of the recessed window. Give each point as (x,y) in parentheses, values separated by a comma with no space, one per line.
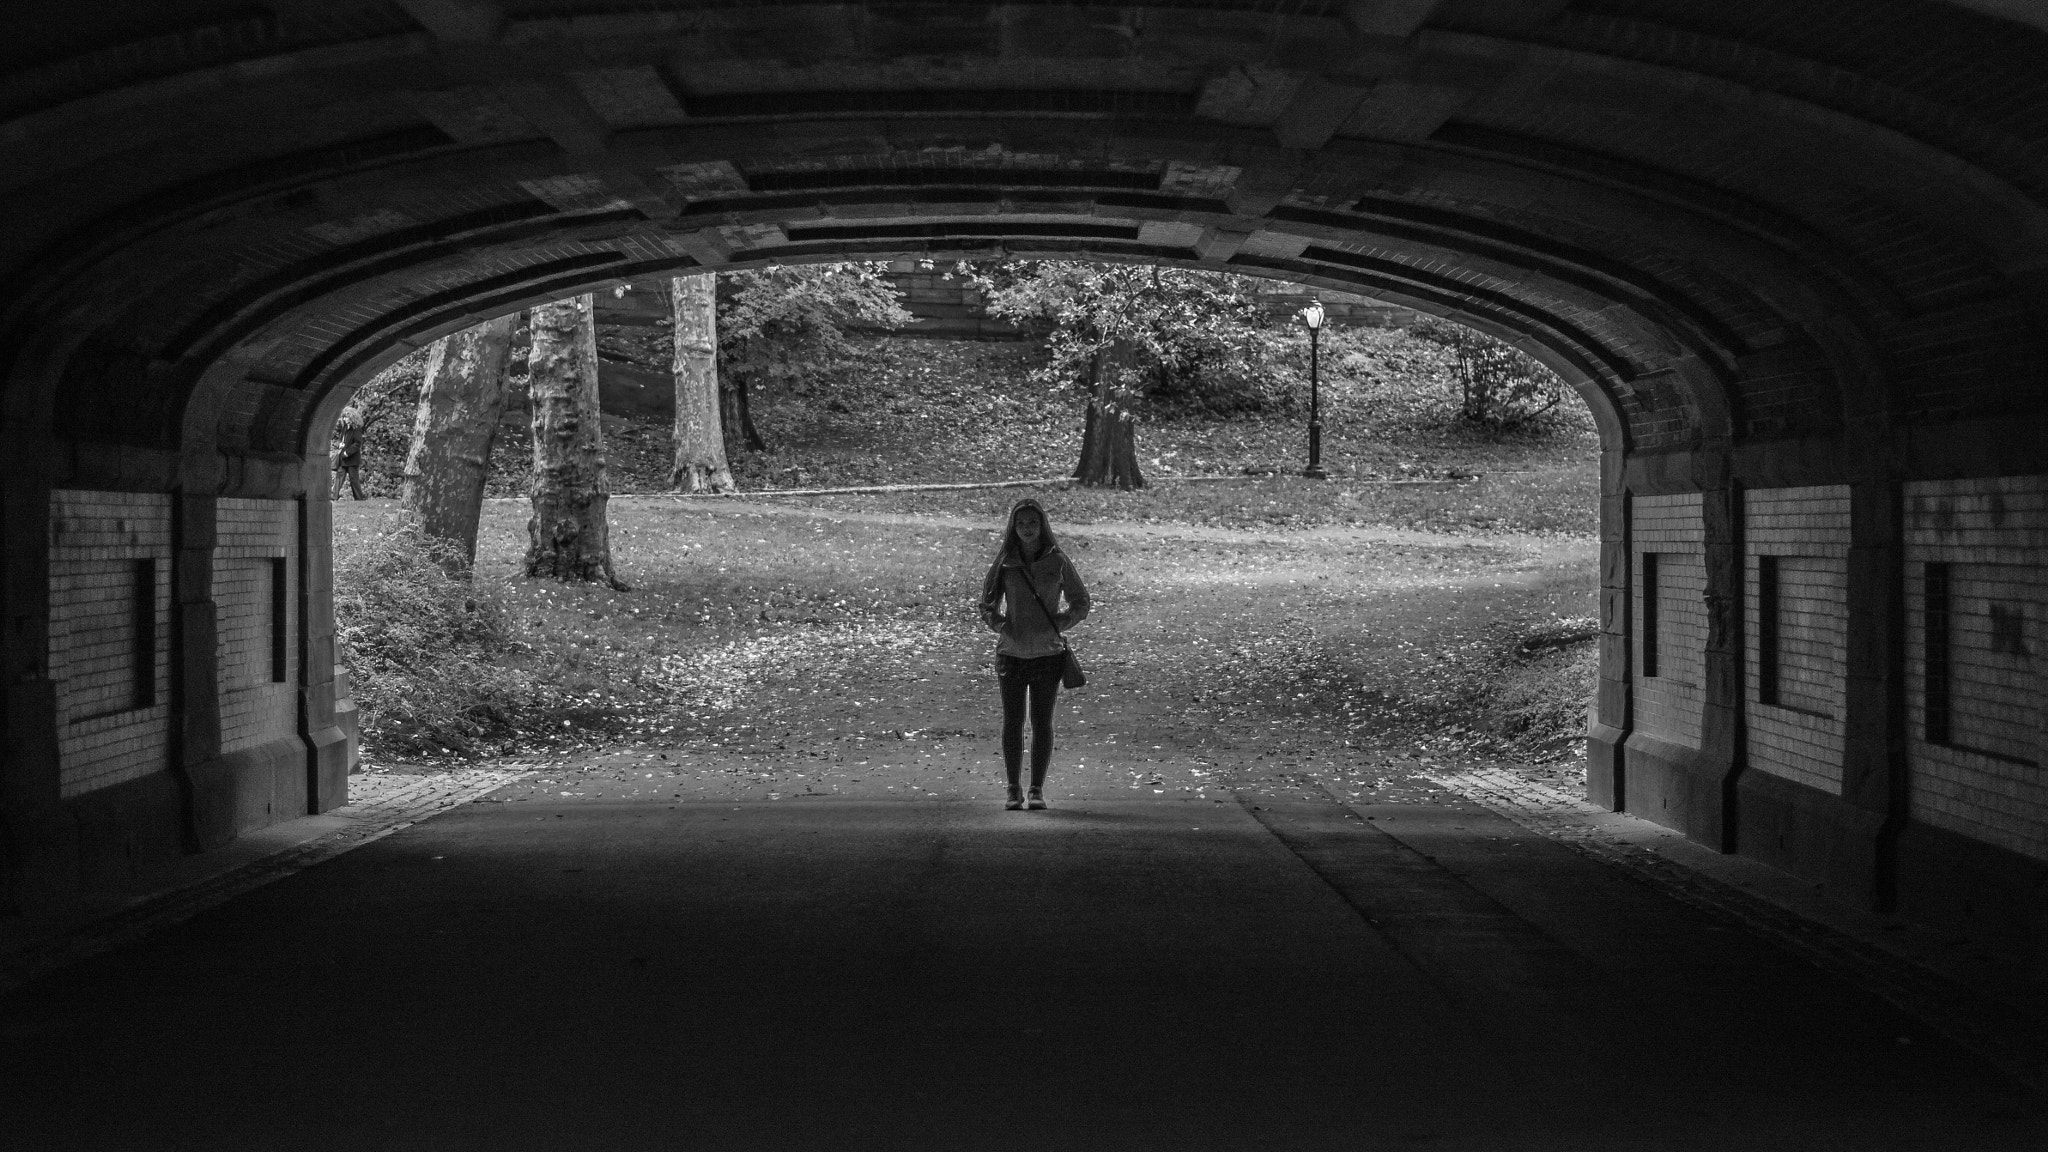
(279,634)
(1980,687)
(1798,627)
(142,639)
(1769,656)
(1649,630)
(1935,621)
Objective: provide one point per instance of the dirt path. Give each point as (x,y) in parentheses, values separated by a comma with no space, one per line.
(1546,548)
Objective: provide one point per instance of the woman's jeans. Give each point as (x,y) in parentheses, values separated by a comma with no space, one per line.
(1042,692)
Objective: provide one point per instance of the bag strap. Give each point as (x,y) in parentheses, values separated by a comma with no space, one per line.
(1049,617)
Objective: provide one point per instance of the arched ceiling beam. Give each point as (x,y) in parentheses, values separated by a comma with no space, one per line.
(287,290)
(1588,271)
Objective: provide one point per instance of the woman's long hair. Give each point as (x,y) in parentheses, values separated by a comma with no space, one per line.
(1013,545)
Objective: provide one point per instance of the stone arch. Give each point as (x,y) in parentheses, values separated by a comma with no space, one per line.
(1774,255)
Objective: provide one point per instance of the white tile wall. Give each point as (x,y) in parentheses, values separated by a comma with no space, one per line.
(1807,530)
(95,540)
(249,534)
(1669,704)
(1988,781)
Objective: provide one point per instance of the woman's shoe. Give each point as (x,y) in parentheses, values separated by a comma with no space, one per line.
(1016,800)
(1037,800)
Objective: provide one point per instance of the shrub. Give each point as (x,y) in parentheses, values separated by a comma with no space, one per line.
(1500,388)
(429,659)
(1539,689)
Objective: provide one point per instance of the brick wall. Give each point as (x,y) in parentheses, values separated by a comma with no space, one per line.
(109,653)
(1668,703)
(1802,536)
(256,704)
(1976,750)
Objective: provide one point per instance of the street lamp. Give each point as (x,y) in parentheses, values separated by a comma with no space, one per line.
(1313,317)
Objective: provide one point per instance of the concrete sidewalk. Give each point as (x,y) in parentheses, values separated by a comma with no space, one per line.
(1114,973)
(379,804)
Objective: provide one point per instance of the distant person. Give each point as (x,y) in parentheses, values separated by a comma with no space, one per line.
(1020,601)
(348,457)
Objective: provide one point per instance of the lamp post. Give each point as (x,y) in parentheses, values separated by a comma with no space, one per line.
(1313,317)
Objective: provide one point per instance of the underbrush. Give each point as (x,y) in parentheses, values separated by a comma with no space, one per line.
(450,669)
(432,664)
(1535,694)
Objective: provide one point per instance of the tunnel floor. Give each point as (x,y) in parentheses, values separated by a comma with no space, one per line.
(1169,973)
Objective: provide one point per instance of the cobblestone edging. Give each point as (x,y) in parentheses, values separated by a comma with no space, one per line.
(379,805)
(1994,1030)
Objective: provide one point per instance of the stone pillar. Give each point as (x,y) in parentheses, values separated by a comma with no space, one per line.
(1863,867)
(1608,725)
(1683,748)
(209,787)
(38,847)
(327,743)
(1711,809)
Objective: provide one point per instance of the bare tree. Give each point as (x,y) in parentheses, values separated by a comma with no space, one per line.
(462,399)
(700,463)
(568,536)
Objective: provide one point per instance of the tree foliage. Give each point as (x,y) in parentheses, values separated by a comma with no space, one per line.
(1184,340)
(785,325)
(1502,389)
(1204,340)
(782,327)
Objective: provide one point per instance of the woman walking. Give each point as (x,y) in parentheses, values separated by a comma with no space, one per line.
(1020,601)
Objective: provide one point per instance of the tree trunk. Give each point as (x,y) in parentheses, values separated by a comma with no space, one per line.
(568,537)
(700,464)
(738,414)
(462,399)
(1109,439)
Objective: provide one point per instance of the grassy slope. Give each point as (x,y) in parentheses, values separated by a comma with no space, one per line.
(916,411)
(927,411)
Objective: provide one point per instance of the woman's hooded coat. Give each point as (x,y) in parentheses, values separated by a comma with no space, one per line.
(1007,604)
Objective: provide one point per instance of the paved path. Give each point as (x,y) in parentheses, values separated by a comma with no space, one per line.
(1538,547)
(1118,973)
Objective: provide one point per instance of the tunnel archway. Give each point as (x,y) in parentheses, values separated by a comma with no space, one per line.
(1792,257)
